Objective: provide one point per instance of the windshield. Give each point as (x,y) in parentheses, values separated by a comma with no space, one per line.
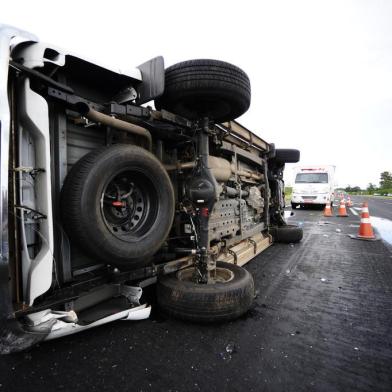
(311,178)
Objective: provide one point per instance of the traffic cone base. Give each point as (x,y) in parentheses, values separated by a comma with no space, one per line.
(357,237)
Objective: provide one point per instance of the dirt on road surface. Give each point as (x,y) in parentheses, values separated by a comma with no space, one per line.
(322,321)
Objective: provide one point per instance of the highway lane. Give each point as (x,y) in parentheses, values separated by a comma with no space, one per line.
(380,210)
(378,206)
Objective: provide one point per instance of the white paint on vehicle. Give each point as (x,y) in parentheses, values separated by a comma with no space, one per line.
(34,118)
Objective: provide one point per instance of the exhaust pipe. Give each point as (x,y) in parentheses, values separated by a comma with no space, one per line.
(121,125)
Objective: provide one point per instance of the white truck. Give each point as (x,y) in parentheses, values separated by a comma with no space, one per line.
(313,185)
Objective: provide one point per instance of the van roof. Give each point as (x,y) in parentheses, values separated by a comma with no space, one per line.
(315,168)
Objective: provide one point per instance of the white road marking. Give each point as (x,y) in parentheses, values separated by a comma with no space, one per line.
(353,211)
(357,208)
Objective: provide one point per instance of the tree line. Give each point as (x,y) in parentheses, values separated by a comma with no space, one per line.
(385,185)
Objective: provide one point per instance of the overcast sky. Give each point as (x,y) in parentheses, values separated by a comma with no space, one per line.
(321,71)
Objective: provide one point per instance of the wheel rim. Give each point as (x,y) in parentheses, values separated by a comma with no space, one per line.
(129,205)
(219,275)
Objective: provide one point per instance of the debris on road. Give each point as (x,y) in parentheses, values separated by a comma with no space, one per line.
(230,348)
(322,223)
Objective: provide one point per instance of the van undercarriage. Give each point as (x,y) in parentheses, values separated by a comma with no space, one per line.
(102,195)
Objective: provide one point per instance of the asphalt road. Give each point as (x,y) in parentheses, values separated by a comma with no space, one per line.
(321,322)
(378,206)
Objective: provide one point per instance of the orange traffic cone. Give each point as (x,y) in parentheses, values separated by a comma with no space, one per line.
(327,209)
(365,228)
(342,209)
(349,203)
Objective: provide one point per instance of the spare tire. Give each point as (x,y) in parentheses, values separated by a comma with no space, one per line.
(117,204)
(230,297)
(205,88)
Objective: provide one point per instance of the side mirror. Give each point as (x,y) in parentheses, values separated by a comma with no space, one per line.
(153,80)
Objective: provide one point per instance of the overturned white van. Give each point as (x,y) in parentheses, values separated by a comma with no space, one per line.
(102,196)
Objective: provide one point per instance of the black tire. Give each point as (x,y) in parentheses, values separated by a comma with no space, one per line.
(286,234)
(205,88)
(125,235)
(207,303)
(285,155)
(294,205)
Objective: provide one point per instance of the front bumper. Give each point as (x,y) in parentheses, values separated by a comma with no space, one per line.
(321,198)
